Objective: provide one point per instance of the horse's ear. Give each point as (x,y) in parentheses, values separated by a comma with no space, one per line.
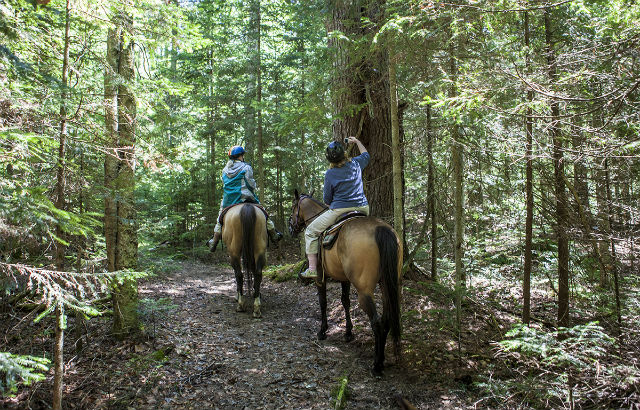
(296,194)
(312,191)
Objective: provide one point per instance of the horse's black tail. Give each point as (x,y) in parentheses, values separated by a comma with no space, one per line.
(248,221)
(389,265)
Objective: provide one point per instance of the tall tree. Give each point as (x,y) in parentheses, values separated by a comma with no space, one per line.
(256,16)
(562,215)
(60,204)
(120,213)
(396,149)
(528,129)
(457,165)
(360,93)
(431,196)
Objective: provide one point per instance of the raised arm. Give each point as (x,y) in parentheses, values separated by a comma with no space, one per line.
(354,140)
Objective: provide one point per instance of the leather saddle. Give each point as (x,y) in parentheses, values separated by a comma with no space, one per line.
(330,235)
(225,210)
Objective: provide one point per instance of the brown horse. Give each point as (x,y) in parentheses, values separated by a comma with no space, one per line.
(366,253)
(244,232)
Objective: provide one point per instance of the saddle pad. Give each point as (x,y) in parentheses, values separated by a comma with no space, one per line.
(330,235)
(225,210)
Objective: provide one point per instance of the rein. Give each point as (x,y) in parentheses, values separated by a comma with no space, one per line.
(324,208)
(305,221)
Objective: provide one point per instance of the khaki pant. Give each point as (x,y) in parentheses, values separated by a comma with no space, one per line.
(322,222)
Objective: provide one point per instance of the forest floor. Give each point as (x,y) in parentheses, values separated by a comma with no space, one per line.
(199,353)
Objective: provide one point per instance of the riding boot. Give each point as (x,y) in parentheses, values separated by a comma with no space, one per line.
(216,238)
(274,235)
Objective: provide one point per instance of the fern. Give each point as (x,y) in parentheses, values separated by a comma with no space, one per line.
(16,369)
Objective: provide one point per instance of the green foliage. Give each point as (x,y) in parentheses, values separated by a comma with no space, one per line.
(153,311)
(16,369)
(550,365)
(141,363)
(341,393)
(283,273)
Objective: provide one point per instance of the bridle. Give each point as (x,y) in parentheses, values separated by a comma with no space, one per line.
(297,225)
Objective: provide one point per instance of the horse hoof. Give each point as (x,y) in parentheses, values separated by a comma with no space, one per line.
(257,315)
(377,373)
(239,308)
(348,337)
(322,336)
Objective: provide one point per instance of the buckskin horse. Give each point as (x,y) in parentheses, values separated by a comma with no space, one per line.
(367,252)
(244,232)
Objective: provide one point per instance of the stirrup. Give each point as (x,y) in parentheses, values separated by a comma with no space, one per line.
(308,274)
(275,236)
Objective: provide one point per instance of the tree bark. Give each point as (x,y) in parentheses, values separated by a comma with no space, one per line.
(258,68)
(121,236)
(526,285)
(58,362)
(604,227)
(396,149)
(431,197)
(360,92)
(457,163)
(614,268)
(559,183)
(111,157)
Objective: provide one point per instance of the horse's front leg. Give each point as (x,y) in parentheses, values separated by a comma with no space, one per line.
(322,298)
(237,269)
(346,304)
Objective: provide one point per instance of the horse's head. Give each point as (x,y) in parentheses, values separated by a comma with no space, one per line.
(296,222)
(304,209)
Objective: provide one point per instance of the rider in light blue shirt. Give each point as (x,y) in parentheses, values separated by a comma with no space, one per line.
(343,192)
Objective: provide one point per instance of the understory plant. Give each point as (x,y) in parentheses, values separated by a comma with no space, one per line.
(575,367)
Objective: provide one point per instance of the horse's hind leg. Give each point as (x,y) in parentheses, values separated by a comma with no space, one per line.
(322,298)
(368,305)
(237,269)
(257,280)
(346,303)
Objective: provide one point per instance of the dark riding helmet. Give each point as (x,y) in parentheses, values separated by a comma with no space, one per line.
(236,151)
(335,152)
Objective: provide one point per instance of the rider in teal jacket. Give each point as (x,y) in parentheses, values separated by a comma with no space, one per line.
(239,186)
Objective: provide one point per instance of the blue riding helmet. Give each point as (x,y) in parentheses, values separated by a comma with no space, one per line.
(335,152)
(236,151)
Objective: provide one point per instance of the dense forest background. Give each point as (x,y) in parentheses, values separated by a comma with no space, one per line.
(505,149)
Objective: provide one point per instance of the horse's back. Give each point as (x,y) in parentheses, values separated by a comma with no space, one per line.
(355,256)
(232,232)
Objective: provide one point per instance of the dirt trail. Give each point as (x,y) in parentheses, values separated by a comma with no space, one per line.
(221,359)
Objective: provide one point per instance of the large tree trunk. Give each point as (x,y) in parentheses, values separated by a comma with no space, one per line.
(211,134)
(111,157)
(258,68)
(364,83)
(559,183)
(121,233)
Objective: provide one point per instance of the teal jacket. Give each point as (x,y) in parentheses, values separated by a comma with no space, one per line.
(239,185)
